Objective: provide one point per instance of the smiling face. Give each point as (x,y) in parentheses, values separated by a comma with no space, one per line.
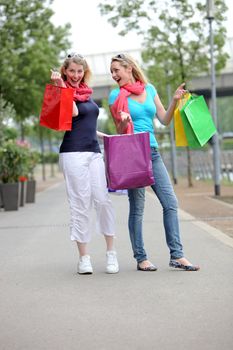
(121,74)
(74,74)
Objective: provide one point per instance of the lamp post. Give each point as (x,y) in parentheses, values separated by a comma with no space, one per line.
(216,151)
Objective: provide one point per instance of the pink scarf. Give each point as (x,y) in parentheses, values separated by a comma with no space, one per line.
(121,103)
(82,93)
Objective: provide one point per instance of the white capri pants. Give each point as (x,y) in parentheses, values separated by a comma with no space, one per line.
(84,174)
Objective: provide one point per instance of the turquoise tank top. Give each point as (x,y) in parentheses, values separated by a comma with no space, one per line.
(142,114)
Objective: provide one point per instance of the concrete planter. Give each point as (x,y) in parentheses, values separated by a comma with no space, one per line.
(10,195)
(23,192)
(31,191)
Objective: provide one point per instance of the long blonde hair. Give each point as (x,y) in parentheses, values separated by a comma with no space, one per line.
(78,59)
(126,60)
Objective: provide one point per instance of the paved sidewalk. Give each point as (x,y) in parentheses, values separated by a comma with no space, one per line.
(200,202)
(44,304)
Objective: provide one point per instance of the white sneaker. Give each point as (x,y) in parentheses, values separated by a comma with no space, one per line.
(112,263)
(84,265)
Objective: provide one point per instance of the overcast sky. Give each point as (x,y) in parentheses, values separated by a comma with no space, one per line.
(91,33)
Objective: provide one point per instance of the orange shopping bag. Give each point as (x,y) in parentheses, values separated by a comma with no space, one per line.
(180,137)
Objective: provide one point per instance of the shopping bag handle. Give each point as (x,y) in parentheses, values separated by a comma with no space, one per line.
(181,102)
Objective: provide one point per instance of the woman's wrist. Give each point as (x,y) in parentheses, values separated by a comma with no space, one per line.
(174,100)
(60,84)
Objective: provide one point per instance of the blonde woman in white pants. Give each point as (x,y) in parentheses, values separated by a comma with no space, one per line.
(82,164)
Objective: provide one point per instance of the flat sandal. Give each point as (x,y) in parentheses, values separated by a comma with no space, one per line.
(148,268)
(177,265)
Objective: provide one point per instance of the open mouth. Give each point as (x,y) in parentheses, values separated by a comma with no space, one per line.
(74,82)
(118,80)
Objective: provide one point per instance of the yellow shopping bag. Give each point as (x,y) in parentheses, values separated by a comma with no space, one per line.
(180,137)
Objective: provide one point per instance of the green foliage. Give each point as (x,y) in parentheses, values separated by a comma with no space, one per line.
(10,133)
(6,112)
(51,158)
(32,161)
(16,160)
(176,36)
(29,46)
(179,46)
(10,162)
(131,13)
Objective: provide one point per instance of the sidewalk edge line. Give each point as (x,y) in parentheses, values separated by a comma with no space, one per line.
(228,205)
(219,235)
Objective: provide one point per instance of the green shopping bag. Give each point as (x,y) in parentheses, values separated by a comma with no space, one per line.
(198,122)
(192,140)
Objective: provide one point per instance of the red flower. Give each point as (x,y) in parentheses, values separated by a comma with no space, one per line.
(23,178)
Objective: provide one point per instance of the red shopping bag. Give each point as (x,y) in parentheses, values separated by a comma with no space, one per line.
(128,161)
(57,108)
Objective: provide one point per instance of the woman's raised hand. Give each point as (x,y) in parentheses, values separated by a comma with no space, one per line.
(180,91)
(56,78)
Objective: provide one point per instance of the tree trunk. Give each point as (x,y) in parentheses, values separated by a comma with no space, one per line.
(22,131)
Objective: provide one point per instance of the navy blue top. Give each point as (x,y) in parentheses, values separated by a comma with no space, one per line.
(82,137)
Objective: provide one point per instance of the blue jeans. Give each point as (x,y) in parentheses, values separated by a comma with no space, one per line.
(165,193)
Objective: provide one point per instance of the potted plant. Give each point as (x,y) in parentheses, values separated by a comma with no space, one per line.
(23,178)
(33,160)
(11,165)
(29,159)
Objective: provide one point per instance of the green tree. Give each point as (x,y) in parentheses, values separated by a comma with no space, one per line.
(29,45)
(176,36)
(6,113)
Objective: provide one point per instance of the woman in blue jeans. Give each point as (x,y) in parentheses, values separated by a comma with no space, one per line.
(134,106)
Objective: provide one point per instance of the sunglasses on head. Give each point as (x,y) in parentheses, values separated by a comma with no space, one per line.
(120,56)
(74,54)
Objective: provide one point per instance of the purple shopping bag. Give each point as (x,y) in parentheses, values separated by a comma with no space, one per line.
(128,161)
